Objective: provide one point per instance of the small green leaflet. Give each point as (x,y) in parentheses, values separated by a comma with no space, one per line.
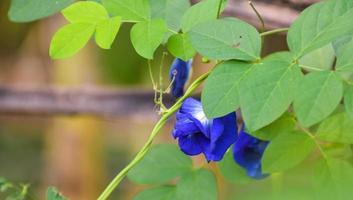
(179,45)
(318,60)
(197,185)
(85,12)
(267,92)
(30,10)
(133,10)
(53,194)
(284,124)
(286,151)
(157,193)
(317,97)
(345,58)
(147,36)
(333,179)
(70,39)
(228,38)
(231,171)
(106,32)
(161,164)
(348,100)
(319,25)
(85,18)
(171,11)
(337,128)
(201,12)
(220,95)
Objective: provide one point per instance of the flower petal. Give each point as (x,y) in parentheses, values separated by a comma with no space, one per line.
(193,108)
(190,144)
(179,73)
(223,135)
(248,152)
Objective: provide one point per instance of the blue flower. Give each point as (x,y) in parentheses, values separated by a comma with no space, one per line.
(196,134)
(179,74)
(248,152)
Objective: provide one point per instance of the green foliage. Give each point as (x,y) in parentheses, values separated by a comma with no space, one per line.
(197,185)
(171,11)
(135,10)
(53,194)
(228,38)
(30,10)
(85,12)
(164,163)
(196,14)
(14,191)
(106,32)
(333,179)
(348,101)
(285,124)
(157,193)
(70,39)
(85,17)
(330,19)
(287,150)
(344,57)
(267,92)
(150,170)
(231,171)
(337,128)
(220,95)
(147,36)
(179,45)
(317,97)
(319,59)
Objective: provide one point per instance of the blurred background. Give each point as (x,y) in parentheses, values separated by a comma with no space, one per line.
(80,154)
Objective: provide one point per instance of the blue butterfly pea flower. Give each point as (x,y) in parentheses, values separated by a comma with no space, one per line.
(196,134)
(179,74)
(247,152)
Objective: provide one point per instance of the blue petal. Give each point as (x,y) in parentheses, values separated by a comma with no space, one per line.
(179,73)
(184,126)
(192,144)
(248,152)
(193,109)
(223,135)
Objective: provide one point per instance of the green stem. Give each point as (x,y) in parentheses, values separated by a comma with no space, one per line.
(219,8)
(279,30)
(258,16)
(115,182)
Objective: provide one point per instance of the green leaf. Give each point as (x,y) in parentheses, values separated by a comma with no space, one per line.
(201,12)
(85,12)
(228,38)
(30,10)
(70,39)
(179,45)
(285,56)
(162,163)
(319,59)
(267,92)
(231,171)
(147,36)
(286,151)
(317,97)
(348,101)
(197,185)
(171,11)
(319,25)
(157,193)
(220,95)
(333,179)
(136,10)
(337,128)
(53,194)
(106,32)
(345,58)
(285,124)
